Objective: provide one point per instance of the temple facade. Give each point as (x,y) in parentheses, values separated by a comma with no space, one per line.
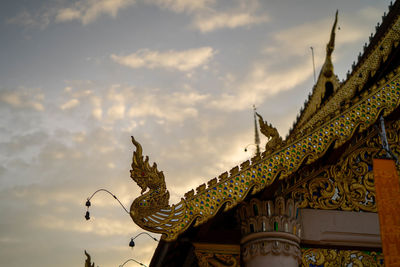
(306,200)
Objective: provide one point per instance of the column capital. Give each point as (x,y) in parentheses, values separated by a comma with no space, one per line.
(271,232)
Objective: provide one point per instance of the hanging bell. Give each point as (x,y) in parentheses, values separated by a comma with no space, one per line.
(132,243)
(87,215)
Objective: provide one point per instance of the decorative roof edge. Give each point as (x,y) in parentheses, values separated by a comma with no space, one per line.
(230,189)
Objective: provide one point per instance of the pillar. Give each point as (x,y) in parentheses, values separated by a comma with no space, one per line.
(270,233)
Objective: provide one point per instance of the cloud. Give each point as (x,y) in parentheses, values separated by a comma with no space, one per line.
(240,14)
(218,21)
(97,111)
(38,20)
(176,60)
(116,112)
(205,16)
(263,81)
(175,107)
(180,6)
(23,98)
(70,104)
(20,144)
(97,226)
(87,11)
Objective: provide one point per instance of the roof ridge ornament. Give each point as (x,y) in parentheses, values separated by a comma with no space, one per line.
(143,174)
(275,140)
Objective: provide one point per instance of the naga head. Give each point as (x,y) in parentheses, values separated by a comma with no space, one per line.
(143,174)
(267,129)
(146,176)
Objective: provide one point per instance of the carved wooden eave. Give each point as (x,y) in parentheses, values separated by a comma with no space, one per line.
(385,40)
(331,126)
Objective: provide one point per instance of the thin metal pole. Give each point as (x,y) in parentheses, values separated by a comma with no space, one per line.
(114,196)
(144,233)
(256,135)
(313,63)
(385,143)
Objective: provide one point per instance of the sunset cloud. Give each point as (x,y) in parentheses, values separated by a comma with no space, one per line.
(218,21)
(174,107)
(179,6)
(87,11)
(35,20)
(174,60)
(23,98)
(70,104)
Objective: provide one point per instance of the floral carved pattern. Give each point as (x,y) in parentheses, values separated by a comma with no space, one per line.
(348,184)
(316,257)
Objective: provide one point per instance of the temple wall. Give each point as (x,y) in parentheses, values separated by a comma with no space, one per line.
(340,228)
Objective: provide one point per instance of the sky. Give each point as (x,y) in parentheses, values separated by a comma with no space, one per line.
(78,78)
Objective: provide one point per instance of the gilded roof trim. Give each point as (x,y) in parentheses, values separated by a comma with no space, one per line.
(231,189)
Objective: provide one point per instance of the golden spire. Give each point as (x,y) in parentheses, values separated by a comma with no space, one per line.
(331,45)
(327,69)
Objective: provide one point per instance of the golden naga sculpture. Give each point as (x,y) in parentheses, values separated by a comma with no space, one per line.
(147,177)
(271,132)
(151,210)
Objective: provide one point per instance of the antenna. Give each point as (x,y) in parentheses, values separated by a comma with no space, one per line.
(313,63)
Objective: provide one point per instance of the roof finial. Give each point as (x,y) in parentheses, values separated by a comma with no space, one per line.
(331,45)
(256,135)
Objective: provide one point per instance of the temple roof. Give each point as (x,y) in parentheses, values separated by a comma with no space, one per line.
(319,106)
(325,87)
(371,90)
